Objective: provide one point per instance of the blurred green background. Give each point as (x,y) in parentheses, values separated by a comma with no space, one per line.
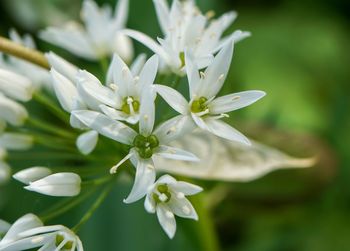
(298,54)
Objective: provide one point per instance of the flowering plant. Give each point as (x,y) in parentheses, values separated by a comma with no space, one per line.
(142,119)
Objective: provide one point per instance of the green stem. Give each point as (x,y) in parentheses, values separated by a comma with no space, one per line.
(56,110)
(176,82)
(104,64)
(43,125)
(206,230)
(62,207)
(93,208)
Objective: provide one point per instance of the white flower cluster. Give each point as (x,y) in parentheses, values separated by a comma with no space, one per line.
(124,107)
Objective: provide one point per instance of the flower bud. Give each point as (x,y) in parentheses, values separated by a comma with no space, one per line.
(32,174)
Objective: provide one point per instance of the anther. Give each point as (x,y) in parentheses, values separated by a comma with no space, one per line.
(236,98)
(202,74)
(186,210)
(180,195)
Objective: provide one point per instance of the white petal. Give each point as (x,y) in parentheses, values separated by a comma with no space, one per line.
(16,141)
(169,152)
(58,184)
(62,66)
(166,179)
(182,207)
(199,122)
(162,10)
(12,112)
(122,45)
(65,90)
(150,204)
(72,38)
(147,41)
(167,220)
(192,74)
(120,75)
(5,172)
(147,112)
(121,13)
(4,227)
(15,86)
(110,128)
(173,98)
(236,36)
(149,72)
(216,73)
(144,178)
(186,188)
(87,141)
(138,64)
(118,115)
(32,174)
(234,101)
(225,131)
(24,223)
(174,128)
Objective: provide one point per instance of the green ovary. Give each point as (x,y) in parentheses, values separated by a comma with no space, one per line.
(162,189)
(145,145)
(199,105)
(67,246)
(126,106)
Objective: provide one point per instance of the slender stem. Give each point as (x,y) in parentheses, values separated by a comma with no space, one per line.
(57,111)
(25,53)
(63,207)
(97,182)
(43,125)
(206,229)
(93,208)
(104,64)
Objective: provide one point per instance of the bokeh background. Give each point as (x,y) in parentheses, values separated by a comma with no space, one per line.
(298,54)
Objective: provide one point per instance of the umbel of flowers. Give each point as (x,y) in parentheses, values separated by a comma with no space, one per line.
(119,114)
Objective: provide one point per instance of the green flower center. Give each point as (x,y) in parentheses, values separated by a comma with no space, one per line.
(162,195)
(130,103)
(182,59)
(199,105)
(59,239)
(145,145)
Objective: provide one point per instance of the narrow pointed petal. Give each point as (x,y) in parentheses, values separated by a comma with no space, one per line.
(162,10)
(186,188)
(144,178)
(138,64)
(24,223)
(223,130)
(199,122)
(32,174)
(121,13)
(65,90)
(104,125)
(147,111)
(58,184)
(4,227)
(149,72)
(192,74)
(174,128)
(167,220)
(15,86)
(62,66)
(234,101)
(173,98)
(16,141)
(87,141)
(169,152)
(236,36)
(150,204)
(12,112)
(216,73)
(182,207)
(147,41)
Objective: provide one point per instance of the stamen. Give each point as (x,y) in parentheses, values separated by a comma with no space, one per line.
(236,98)
(163,197)
(202,74)
(114,87)
(210,14)
(180,195)
(200,114)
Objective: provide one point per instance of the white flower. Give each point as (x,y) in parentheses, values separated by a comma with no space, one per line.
(166,197)
(15,86)
(39,77)
(58,184)
(185,27)
(145,145)
(32,174)
(16,141)
(205,108)
(12,112)
(120,99)
(100,37)
(28,232)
